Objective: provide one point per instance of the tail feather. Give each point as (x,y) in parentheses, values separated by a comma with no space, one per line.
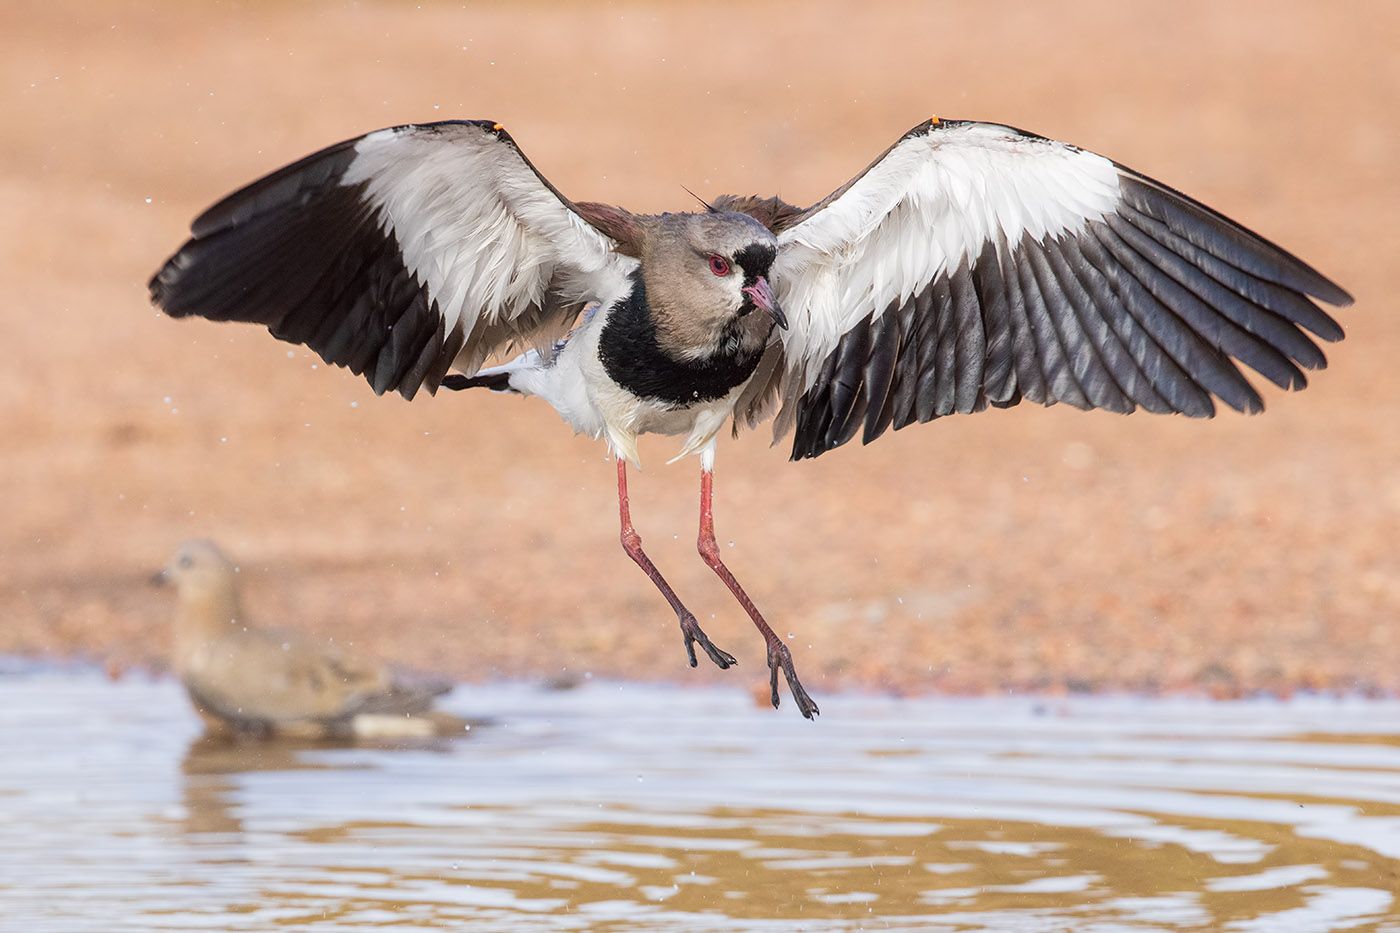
(496,382)
(495,378)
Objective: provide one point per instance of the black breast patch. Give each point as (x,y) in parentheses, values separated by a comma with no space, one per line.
(634,360)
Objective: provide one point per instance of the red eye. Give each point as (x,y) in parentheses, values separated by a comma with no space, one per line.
(719,265)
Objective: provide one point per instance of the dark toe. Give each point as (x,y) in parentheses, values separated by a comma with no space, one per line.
(780,657)
(723,659)
(805,703)
(693,633)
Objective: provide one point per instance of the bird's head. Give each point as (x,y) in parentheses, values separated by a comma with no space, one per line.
(706,278)
(197,567)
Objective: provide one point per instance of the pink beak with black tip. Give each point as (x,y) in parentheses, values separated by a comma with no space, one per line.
(762,295)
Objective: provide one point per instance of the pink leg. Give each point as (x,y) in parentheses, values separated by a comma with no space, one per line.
(778,654)
(632,544)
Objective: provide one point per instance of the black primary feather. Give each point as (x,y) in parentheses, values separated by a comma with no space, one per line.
(305,256)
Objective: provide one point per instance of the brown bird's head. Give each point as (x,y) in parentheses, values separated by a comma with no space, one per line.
(706,278)
(198,567)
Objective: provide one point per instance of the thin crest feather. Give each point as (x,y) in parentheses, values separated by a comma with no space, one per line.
(708,206)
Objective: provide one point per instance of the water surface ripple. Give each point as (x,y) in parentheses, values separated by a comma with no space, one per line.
(630,807)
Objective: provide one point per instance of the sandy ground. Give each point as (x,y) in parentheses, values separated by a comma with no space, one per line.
(1029,549)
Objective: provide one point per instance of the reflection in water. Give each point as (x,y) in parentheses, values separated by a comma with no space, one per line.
(631,807)
(213,762)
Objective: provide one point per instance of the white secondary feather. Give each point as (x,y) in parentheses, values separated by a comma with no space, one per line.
(931,203)
(478,226)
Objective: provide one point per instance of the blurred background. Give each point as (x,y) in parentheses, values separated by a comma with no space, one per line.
(1028,549)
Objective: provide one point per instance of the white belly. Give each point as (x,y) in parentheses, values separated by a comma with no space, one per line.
(626,417)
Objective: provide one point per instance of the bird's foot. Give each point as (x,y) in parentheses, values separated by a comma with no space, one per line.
(780,657)
(694,633)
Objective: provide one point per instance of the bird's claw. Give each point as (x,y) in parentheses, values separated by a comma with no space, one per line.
(694,633)
(780,657)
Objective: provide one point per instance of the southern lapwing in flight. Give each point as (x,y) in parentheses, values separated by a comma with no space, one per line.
(970,265)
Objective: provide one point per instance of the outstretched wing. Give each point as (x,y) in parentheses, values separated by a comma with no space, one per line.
(975,264)
(401,253)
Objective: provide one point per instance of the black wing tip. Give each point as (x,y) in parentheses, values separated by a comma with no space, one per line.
(156,288)
(1337,297)
(1323,289)
(1293,272)
(1325,328)
(1249,406)
(163,284)
(1319,286)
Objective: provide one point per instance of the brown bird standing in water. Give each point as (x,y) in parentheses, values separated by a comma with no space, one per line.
(262,682)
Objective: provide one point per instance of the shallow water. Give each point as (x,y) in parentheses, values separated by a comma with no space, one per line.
(627,807)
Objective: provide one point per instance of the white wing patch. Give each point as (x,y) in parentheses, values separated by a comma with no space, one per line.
(477,226)
(932,203)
